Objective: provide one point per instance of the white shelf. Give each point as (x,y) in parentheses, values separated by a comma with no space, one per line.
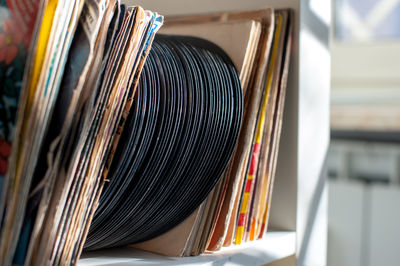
(299,202)
(274,246)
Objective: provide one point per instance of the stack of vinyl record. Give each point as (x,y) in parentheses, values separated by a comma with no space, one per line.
(177,142)
(237,209)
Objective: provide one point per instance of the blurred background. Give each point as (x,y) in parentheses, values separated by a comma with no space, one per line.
(364,156)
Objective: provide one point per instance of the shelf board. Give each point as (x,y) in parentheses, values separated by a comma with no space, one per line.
(274,246)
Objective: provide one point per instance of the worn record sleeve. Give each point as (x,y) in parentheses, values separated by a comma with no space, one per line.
(279,113)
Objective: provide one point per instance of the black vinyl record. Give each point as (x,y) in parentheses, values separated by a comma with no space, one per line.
(177,141)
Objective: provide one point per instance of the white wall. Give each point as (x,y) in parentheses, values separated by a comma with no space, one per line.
(345,223)
(363,227)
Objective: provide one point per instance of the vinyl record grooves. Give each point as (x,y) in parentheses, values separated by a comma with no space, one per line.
(177,141)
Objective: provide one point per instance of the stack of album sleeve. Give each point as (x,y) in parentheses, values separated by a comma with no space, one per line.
(236,210)
(85,59)
(167,142)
